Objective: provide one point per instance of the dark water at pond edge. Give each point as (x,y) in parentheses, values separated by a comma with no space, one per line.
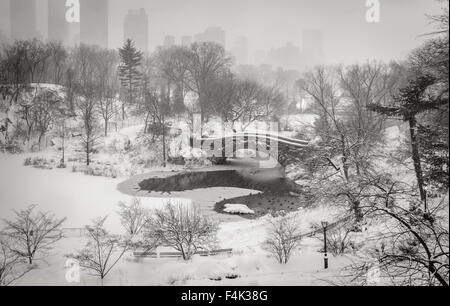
(220,178)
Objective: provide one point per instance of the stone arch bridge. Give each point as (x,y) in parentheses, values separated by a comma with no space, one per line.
(283,149)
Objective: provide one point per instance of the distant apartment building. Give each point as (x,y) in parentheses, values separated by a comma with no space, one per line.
(169,41)
(287,57)
(4,21)
(94,19)
(212,34)
(312,45)
(58,27)
(136,28)
(23,19)
(186,41)
(240,50)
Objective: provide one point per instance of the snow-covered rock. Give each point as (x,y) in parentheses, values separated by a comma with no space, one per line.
(238,209)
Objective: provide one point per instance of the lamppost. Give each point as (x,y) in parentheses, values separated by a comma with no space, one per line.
(325,259)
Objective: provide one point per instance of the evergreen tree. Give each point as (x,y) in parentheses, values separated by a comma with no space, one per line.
(129,72)
(414,99)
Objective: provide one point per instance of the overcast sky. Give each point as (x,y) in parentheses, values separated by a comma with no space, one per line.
(273,23)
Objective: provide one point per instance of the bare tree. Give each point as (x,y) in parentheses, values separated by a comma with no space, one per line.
(85,58)
(156,108)
(283,237)
(58,57)
(32,232)
(36,57)
(90,133)
(12,266)
(102,252)
(108,85)
(45,109)
(133,216)
(25,113)
(205,63)
(182,227)
(13,71)
(349,130)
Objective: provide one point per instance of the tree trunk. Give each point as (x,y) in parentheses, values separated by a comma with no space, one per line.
(40,140)
(416,161)
(87,153)
(344,158)
(357,210)
(164,144)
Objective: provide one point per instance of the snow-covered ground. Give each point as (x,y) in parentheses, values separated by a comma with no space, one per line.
(82,198)
(77,196)
(252,266)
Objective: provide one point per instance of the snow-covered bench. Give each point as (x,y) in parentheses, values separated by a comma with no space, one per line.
(178,254)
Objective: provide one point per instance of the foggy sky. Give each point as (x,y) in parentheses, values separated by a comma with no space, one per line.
(348,38)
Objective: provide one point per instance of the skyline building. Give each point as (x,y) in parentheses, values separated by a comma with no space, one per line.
(136,28)
(186,40)
(240,50)
(58,27)
(312,47)
(287,57)
(169,41)
(23,19)
(94,19)
(212,34)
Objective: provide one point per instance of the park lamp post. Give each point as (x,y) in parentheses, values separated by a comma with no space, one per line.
(325,259)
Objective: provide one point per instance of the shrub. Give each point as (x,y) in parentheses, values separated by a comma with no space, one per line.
(283,237)
(102,251)
(182,227)
(133,216)
(339,240)
(27,162)
(61,165)
(39,163)
(11,146)
(33,232)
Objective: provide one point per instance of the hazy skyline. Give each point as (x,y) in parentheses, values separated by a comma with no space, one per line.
(347,36)
(272,23)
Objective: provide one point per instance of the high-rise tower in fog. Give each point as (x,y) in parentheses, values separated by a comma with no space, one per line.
(312,45)
(58,27)
(240,50)
(212,34)
(94,22)
(169,41)
(23,19)
(186,40)
(4,21)
(136,28)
